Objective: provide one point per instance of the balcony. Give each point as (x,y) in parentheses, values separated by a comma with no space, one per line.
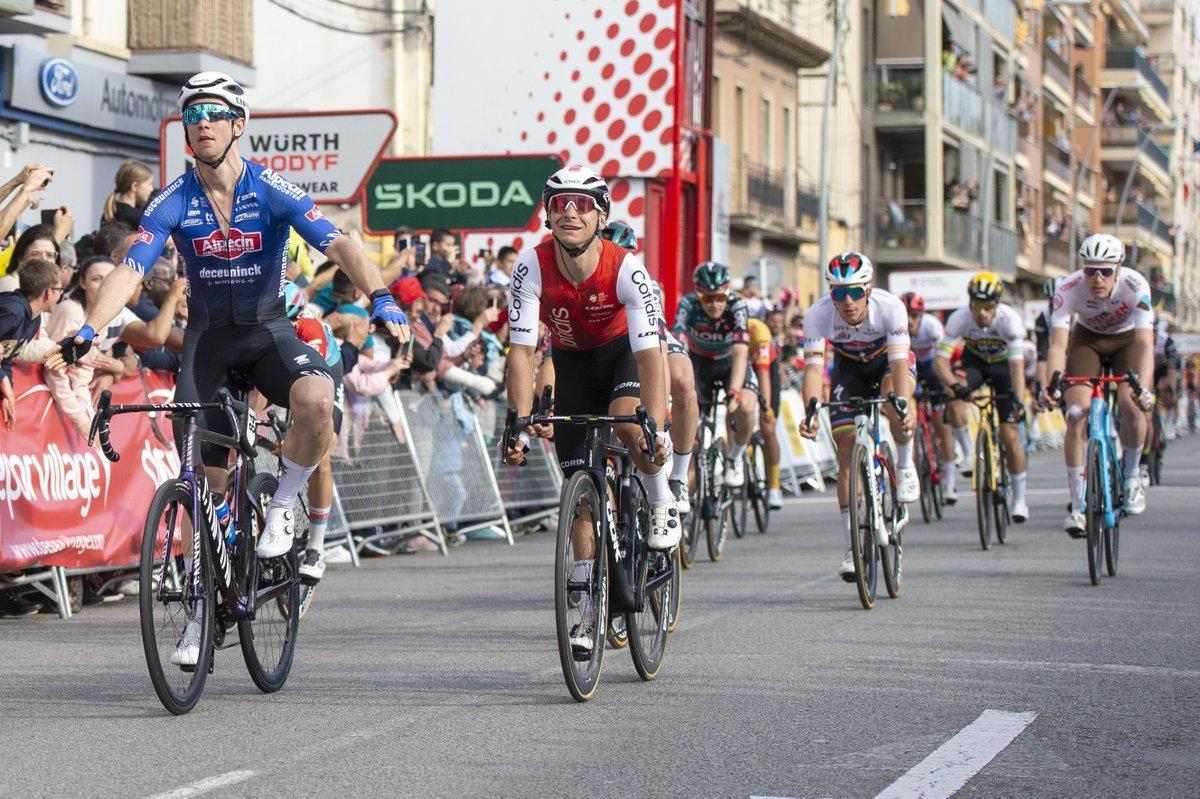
(1083,93)
(1134,60)
(38,18)
(1057,252)
(900,225)
(761,193)
(1055,67)
(1001,15)
(1002,250)
(1001,127)
(900,91)
(1118,141)
(1144,217)
(1057,159)
(964,236)
(808,202)
(962,106)
(173,39)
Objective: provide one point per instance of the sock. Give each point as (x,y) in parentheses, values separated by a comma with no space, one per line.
(773,478)
(1018,481)
(581,573)
(318,523)
(963,436)
(846,525)
(737,450)
(292,478)
(1075,480)
(904,455)
(657,489)
(949,473)
(1133,456)
(680,461)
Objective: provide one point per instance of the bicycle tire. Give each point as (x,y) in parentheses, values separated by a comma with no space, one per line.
(983,487)
(676,592)
(716,525)
(939,487)
(863,546)
(1112,535)
(180,698)
(922,463)
(697,487)
(757,466)
(648,625)
(1000,510)
(890,555)
(1093,502)
(1156,450)
(581,676)
(268,631)
(741,511)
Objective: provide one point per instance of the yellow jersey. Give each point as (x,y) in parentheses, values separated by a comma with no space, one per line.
(762,347)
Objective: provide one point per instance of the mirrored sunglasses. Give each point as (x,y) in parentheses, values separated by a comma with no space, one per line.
(582,203)
(841,293)
(707,298)
(1099,271)
(212,112)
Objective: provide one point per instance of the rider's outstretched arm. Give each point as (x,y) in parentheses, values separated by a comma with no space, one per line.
(115,292)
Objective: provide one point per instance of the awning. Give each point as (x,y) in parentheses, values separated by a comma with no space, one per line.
(960,30)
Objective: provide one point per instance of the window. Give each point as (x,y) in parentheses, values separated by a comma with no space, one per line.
(739,122)
(789,149)
(765,127)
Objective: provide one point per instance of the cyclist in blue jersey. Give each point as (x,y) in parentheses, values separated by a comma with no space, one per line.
(229,220)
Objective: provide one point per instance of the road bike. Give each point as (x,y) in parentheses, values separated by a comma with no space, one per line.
(1104,484)
(877,517)
(1158,446)
(228,585)
(712,501)
(990,479)
(753,494)
(603,528)
(928,461)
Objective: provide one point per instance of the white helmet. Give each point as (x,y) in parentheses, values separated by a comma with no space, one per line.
(578,180)
(1101,248)
(849,268)
(218,85)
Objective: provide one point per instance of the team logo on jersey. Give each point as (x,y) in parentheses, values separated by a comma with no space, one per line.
(314,214)
(195,202)
(143,236)
(237,245)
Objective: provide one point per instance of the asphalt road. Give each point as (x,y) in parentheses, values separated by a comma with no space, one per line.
(432,676)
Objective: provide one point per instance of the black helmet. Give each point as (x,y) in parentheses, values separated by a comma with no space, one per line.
(711,276)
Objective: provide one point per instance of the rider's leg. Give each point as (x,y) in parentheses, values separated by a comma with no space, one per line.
(309,439)
(320,500)
(766,427)
(685,414)
(1075,402)
(1133,430)
(1010,434)
(902,437)
(956,415)
(843,439)
(744,420)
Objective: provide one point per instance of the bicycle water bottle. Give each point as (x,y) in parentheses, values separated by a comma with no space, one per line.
(223,519)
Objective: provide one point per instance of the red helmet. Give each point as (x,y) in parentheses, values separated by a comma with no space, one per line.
(913,301)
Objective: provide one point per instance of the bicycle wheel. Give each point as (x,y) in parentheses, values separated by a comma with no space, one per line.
(862,526)
(652,583)
(694,521)
(1000,510)
(167,596)
(1156,450)
(756,477)
(268,631)
(676,591)
(1112,535)
(983,487)
(890,554)
(741,497)
(580,585)
(1093,502)
(716,526)
(923,472)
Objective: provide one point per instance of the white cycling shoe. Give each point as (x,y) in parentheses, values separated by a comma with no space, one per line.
(312,567)
(910,486)
(682,500)
(950,495)
(846,570)
(1020,512)
(1135,497)
(188,651)
(1144,475)
(665,529)
(278,533)
(583,637)
(1075,524)
(735,473)
(774,498)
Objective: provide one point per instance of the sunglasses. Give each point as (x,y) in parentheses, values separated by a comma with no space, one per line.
(842,293)
(715,297)
(212,112)
(1099,271)
(582,203)
(988,305)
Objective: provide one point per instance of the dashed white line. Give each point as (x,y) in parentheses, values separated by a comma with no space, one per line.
(952,764)
(200,787)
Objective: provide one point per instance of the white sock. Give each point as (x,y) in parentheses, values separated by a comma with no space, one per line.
(292,478)
(657,489)
(1133,457)
(963,436)
(949,473)
(904,455)
(1018,488)
(581,573)
(318,523)
(680,461)
(1075,481)
(846,526)
(737,450)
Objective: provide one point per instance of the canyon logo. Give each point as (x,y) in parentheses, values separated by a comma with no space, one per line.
(232,248)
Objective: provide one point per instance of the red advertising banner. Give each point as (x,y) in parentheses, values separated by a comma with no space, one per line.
(63,503)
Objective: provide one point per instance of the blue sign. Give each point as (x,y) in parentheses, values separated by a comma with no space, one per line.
(59,82)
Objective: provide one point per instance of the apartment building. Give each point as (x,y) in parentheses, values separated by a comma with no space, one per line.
(759,47)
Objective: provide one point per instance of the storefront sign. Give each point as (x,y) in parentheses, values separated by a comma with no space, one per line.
(474,193)
(943,290)
(87,95)
(328,154)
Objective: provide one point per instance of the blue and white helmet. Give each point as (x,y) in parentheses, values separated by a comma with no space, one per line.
(850,268)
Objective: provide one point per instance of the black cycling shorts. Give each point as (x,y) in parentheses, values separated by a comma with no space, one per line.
(587,381)
(931,386)
(269,354)
(711,372)
(851,378)
(978,372)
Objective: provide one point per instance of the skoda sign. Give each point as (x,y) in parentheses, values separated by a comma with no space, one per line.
(476,193)
(59,82)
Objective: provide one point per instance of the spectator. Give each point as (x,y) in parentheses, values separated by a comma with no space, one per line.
(108,239)
(501,272)
(20,319)
(155,290)
(134,185)
(68,260)
(442,250)
(474,312)
(427,355)
(36,243)
(27,183)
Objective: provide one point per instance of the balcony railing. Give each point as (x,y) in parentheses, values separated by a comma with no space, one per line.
(1056,159)
(808,203)
(761,192)
(1142,215)
(1055,66)
(1083,92)
(962,105)
(221,27)
(1129,136)
(1057,252)
(1001,127)
(964,236)
(1132,59)
(900,225)
(901,89)
(1002,16)
(1002,249)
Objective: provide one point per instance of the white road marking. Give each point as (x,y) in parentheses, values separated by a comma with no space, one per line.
(200,787)
(953,763)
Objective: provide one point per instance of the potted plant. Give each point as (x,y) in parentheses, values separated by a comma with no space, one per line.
(891,95)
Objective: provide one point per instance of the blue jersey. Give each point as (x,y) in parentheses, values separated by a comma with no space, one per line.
(234,280)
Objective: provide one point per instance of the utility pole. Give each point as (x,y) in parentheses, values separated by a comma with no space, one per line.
(830,87)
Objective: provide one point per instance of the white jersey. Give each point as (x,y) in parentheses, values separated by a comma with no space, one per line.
(999,340)
(929,334)
(1127,308)
(1029,348)
(885,329)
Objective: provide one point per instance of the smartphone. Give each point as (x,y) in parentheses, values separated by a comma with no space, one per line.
(48,216)
(408,346)
(484,252)
(401,244)
(419,252)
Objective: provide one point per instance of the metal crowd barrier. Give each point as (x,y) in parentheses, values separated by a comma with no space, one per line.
(531,493)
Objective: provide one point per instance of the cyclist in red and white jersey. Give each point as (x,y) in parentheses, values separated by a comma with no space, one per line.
(1113,325)
(925,332)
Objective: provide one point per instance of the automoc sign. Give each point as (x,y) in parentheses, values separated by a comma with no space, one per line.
(328,154)
(478,193)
